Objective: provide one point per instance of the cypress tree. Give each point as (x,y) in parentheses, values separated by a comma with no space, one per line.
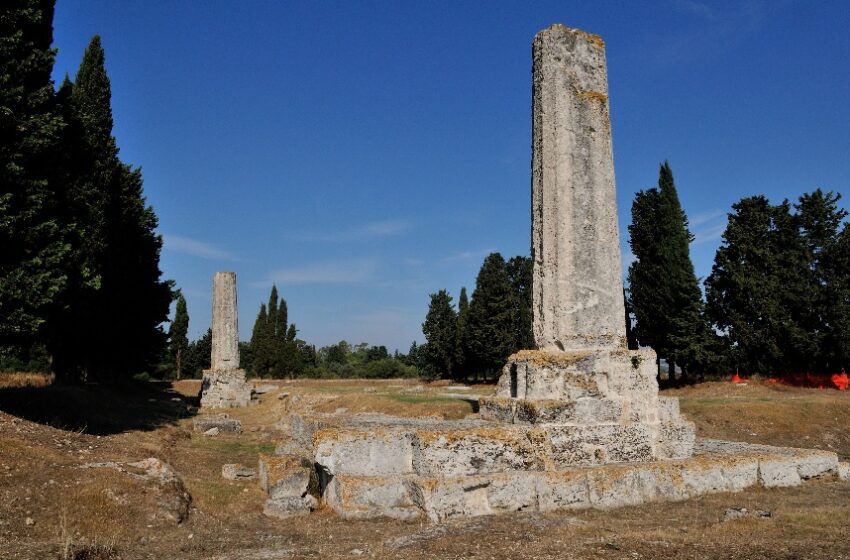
(33,239)
(491,320)
(132,301)
(461,338)
(177,335)
(665,293)
(520,271)
(259,343)
(440,329)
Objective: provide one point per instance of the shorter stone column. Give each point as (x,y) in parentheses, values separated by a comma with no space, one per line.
(224,384)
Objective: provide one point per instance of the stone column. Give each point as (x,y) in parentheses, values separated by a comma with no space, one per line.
(225,323)
(578,288)
(224,384)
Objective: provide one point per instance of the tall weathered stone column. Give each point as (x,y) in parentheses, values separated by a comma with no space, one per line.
(577,290)
(224,384)
(581,374)
(225,322)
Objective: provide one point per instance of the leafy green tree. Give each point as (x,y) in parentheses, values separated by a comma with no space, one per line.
(825,302)
(33,240)
(665,294)
(746,293)
(491,320)
(440,329)
(177,335)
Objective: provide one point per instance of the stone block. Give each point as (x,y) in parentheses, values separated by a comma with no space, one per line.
(286,507)
(675,440)
(475,451)
(235,471)
(599,445)
(778,472)
(225,388)
(843,471)
(222,422)
(813,463)
(564,490)
(378,451)
(287,476)
(704,475)
(354,497)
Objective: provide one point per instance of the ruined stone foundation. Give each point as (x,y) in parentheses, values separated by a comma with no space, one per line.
(225,388)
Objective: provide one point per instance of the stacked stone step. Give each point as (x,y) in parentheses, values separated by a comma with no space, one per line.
(716,467)
(609,398)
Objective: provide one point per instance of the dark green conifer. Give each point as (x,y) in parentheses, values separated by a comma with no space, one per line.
(491,321)
(440,329)
(177,335)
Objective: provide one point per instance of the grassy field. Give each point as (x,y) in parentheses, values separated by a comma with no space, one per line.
(54,504)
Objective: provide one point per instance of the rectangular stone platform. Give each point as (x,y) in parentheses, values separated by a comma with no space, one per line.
(717,466)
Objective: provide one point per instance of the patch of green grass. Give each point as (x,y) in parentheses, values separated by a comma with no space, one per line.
(425,399)
(214,493)
(232,447)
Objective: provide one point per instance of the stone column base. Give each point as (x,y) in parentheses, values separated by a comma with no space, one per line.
(610,388)
(225,388)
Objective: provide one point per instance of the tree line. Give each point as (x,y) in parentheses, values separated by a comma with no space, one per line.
(777,301)
(474,339)
(80,287)
(275,351)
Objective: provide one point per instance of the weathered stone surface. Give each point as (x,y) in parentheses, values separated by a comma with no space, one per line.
(283,508)
(224,384)
(225,322)
(222,421)
(287,476)
(236,471)
(438,498)
(577,288)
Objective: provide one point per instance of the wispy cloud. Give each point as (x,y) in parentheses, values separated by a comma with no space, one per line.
(351,271)
(705,217)
(710,233)
(461,256)
(363,232)
(196,248)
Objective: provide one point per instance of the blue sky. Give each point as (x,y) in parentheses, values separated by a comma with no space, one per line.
(362,155)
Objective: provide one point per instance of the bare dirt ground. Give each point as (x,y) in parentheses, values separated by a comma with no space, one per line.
(59,500)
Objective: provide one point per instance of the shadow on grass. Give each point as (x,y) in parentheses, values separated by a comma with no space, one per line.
(99,409)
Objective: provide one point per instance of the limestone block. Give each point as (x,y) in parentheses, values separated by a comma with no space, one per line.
(511,492)
(223,422)
(225,388)
(235,471)
(557,491)
(813,463)
(778,472)
(287,476)
(704,475)
(474,451)
(599,445)
(675,440)
(668,409)
(497,409)
(286,507)
(379,451)
(443,499)
(622,487)
(843,471)
(354,497)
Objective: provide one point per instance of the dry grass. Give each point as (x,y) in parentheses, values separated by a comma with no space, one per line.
(24,379)
(104,514)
